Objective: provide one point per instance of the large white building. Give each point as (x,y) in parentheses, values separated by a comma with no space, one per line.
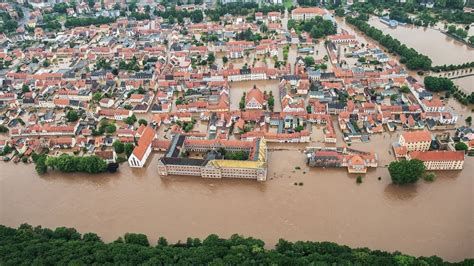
(439,160)
(214,165)
(306,13)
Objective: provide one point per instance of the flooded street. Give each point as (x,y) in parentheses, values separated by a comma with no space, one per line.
(431,42)
(424,219)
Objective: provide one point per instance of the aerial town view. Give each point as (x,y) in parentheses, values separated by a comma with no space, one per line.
(229,132)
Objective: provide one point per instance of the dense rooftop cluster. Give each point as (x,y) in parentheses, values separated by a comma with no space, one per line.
(121,81)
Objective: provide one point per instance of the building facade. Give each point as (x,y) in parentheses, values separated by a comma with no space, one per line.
(214,165)
(439,160)
(415,140)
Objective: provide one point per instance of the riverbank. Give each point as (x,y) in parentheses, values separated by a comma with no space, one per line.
(61,247)
(328,206)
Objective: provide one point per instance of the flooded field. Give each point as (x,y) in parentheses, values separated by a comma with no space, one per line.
(237,89)
(423,219)
(466,84)
(431,42)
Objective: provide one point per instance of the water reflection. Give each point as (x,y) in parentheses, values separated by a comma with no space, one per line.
(401,193)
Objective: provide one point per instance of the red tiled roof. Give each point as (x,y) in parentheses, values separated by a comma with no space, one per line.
(427,156)
(417,136)
(144,142)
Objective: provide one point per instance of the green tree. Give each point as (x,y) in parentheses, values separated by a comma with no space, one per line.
(72,116)
(142,122)
(299,128)
(404,89)
(309,61)
(128,148)
(242,102)
(40,164)
(271,101)
(211,58)
(110,129)
(461,146)
(137,239)
(97,96)
(25,88)
(471,39)
(3,129)
(162,242)
(131,119)
(406,172)
(468,120)
(119,147)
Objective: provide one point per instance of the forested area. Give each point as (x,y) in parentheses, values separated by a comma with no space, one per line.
(29,245)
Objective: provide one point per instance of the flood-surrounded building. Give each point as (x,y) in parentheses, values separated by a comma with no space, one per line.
(215,158)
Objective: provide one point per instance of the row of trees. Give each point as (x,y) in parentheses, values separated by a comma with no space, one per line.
(448,10)
(453,67)
(241,9)
(409,56)
(174,15)
(69,164)
(29,245)
(457,32)
(436,84)
(72,22)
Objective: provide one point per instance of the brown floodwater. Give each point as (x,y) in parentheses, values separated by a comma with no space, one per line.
(423,219)
(441,48)
(466,83)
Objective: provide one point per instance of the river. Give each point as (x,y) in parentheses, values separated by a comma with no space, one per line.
(428,41)
(423,219)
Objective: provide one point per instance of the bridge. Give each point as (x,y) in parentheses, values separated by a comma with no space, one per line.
(454,74)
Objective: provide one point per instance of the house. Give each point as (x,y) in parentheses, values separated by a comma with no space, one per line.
(415,140)
(109,156)
(143,149)
(433,105)
(307,13)
(254,99)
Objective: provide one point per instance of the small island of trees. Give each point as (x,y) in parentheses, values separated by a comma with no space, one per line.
(69,164)
(406,172)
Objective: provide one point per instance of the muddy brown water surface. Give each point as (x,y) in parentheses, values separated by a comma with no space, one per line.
(423,219)
(441,48)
